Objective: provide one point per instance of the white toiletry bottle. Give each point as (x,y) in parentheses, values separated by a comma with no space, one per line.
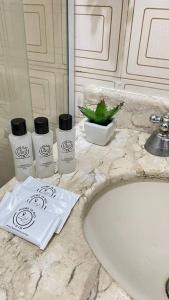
(43,147)
(21,144)
(66,145)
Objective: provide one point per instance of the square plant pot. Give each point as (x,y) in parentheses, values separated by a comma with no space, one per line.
(98,134)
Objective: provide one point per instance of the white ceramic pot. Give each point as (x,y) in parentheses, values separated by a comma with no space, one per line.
(98,134)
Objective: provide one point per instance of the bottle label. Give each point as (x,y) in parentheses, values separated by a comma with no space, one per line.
(44,159)
(23,158)
(24,166)
(45,150)
(22,152)
(67,151)
(67,146)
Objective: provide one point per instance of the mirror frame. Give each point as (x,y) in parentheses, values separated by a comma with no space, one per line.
(71,56)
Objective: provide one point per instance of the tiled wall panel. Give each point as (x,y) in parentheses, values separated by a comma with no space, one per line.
(124,41)
(143,87)
(146,47)
(97,48)
(116,41)
(46,38)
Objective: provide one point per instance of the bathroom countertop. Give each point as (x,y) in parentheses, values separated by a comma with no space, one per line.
(67,269)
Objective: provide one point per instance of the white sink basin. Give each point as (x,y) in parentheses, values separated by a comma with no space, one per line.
(128,230)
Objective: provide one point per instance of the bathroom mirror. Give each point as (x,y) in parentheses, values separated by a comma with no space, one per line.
(36,66)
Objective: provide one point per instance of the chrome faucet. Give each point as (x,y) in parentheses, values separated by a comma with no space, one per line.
(158,142)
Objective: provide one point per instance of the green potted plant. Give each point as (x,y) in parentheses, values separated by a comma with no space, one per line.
(100,124)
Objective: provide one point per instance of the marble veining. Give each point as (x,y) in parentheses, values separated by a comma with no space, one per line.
(67,269)
(137,108)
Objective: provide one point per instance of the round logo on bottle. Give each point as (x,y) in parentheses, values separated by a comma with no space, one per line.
(67,146)
(24,218)
(22,152)
(45,150)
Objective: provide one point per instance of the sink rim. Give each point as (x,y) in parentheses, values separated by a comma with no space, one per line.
(110,186)
(96,197)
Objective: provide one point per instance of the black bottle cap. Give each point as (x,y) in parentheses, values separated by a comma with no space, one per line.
(41,125)
(65,122)
(18,126)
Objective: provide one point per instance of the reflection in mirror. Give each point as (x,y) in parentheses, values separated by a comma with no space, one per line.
(46,40)
(33,67)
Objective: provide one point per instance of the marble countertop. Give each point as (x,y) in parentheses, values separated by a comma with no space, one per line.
(67,269)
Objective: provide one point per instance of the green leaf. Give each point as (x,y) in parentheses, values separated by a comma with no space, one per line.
(113,111)
(102,115)
(101,109)
(89,113)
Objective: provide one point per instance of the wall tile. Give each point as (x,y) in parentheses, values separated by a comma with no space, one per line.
(49,92)
(46,37)
(123,43)
(39,31)
(98,32)
(43,92)
(146,46)
(143,87)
